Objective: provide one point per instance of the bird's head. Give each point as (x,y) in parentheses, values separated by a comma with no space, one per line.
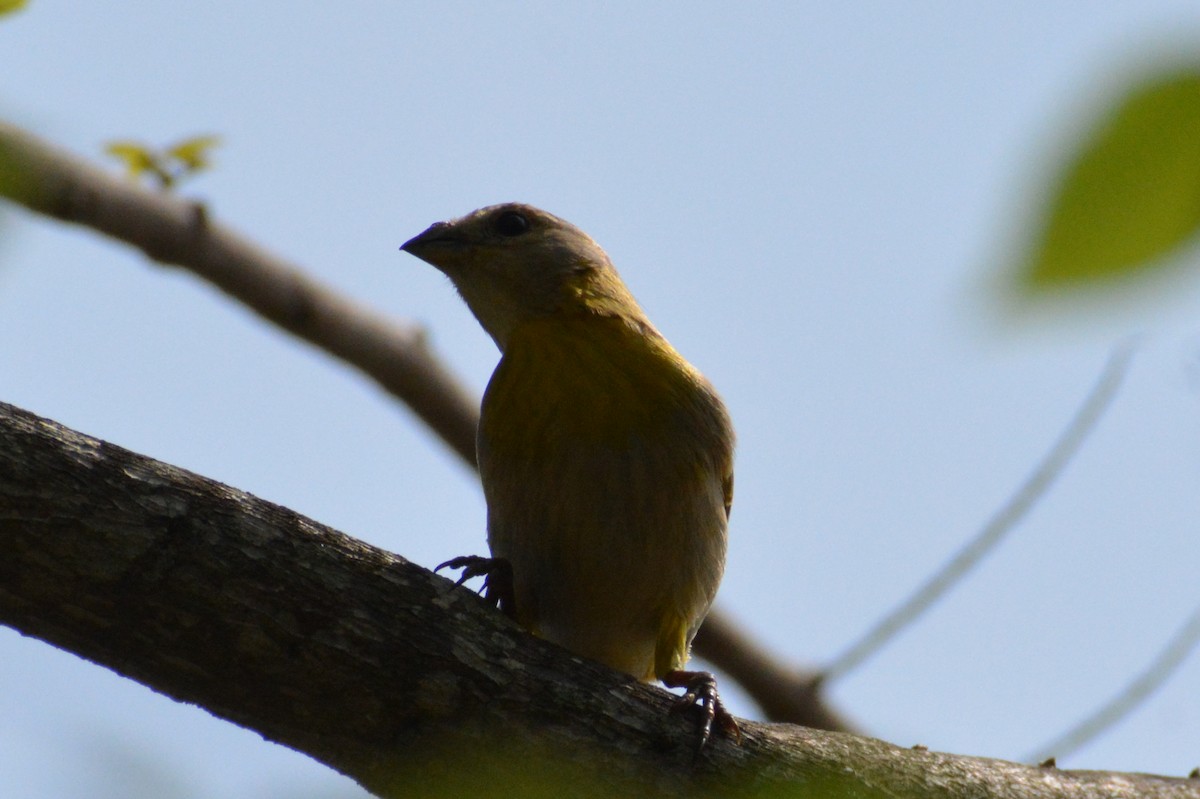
(513,263)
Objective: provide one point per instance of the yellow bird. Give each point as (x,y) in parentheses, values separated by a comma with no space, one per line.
(606,458)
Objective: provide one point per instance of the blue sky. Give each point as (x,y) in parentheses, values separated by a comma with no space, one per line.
(810,200)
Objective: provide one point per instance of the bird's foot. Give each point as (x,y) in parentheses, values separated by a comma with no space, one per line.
(497,579)
(700,688)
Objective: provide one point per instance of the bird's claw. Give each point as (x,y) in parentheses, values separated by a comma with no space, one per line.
(700,688)
(497,579)
(471,565)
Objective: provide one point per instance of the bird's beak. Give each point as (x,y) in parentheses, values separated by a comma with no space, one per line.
(439,235)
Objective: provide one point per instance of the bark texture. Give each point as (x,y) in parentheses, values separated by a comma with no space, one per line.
(381,669)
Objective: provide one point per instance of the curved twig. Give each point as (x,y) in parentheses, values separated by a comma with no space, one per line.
(1000,525)
(1133,694)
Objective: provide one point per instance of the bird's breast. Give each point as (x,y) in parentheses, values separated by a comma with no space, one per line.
(593,383)
(605,460)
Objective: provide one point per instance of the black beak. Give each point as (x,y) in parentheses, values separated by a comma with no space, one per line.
(437,233)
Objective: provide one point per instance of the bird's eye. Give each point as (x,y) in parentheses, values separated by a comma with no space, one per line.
(511,223)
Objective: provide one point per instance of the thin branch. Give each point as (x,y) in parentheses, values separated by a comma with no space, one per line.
(1133,694)
(173,231)
(178,232)
(383,670)
(1000,525)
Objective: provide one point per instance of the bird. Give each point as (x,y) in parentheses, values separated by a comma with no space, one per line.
(606,458)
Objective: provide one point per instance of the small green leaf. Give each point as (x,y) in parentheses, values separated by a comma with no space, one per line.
(137,157)
(1132,193)
(193,152)
(9,6)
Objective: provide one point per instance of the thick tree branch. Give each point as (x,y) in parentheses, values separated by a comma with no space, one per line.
(379,668)
(177,232)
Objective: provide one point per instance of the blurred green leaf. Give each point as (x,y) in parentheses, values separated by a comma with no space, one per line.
(1132,193)
(137,157)
(9,6)
(193,152)
(167,167)
(17,180)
